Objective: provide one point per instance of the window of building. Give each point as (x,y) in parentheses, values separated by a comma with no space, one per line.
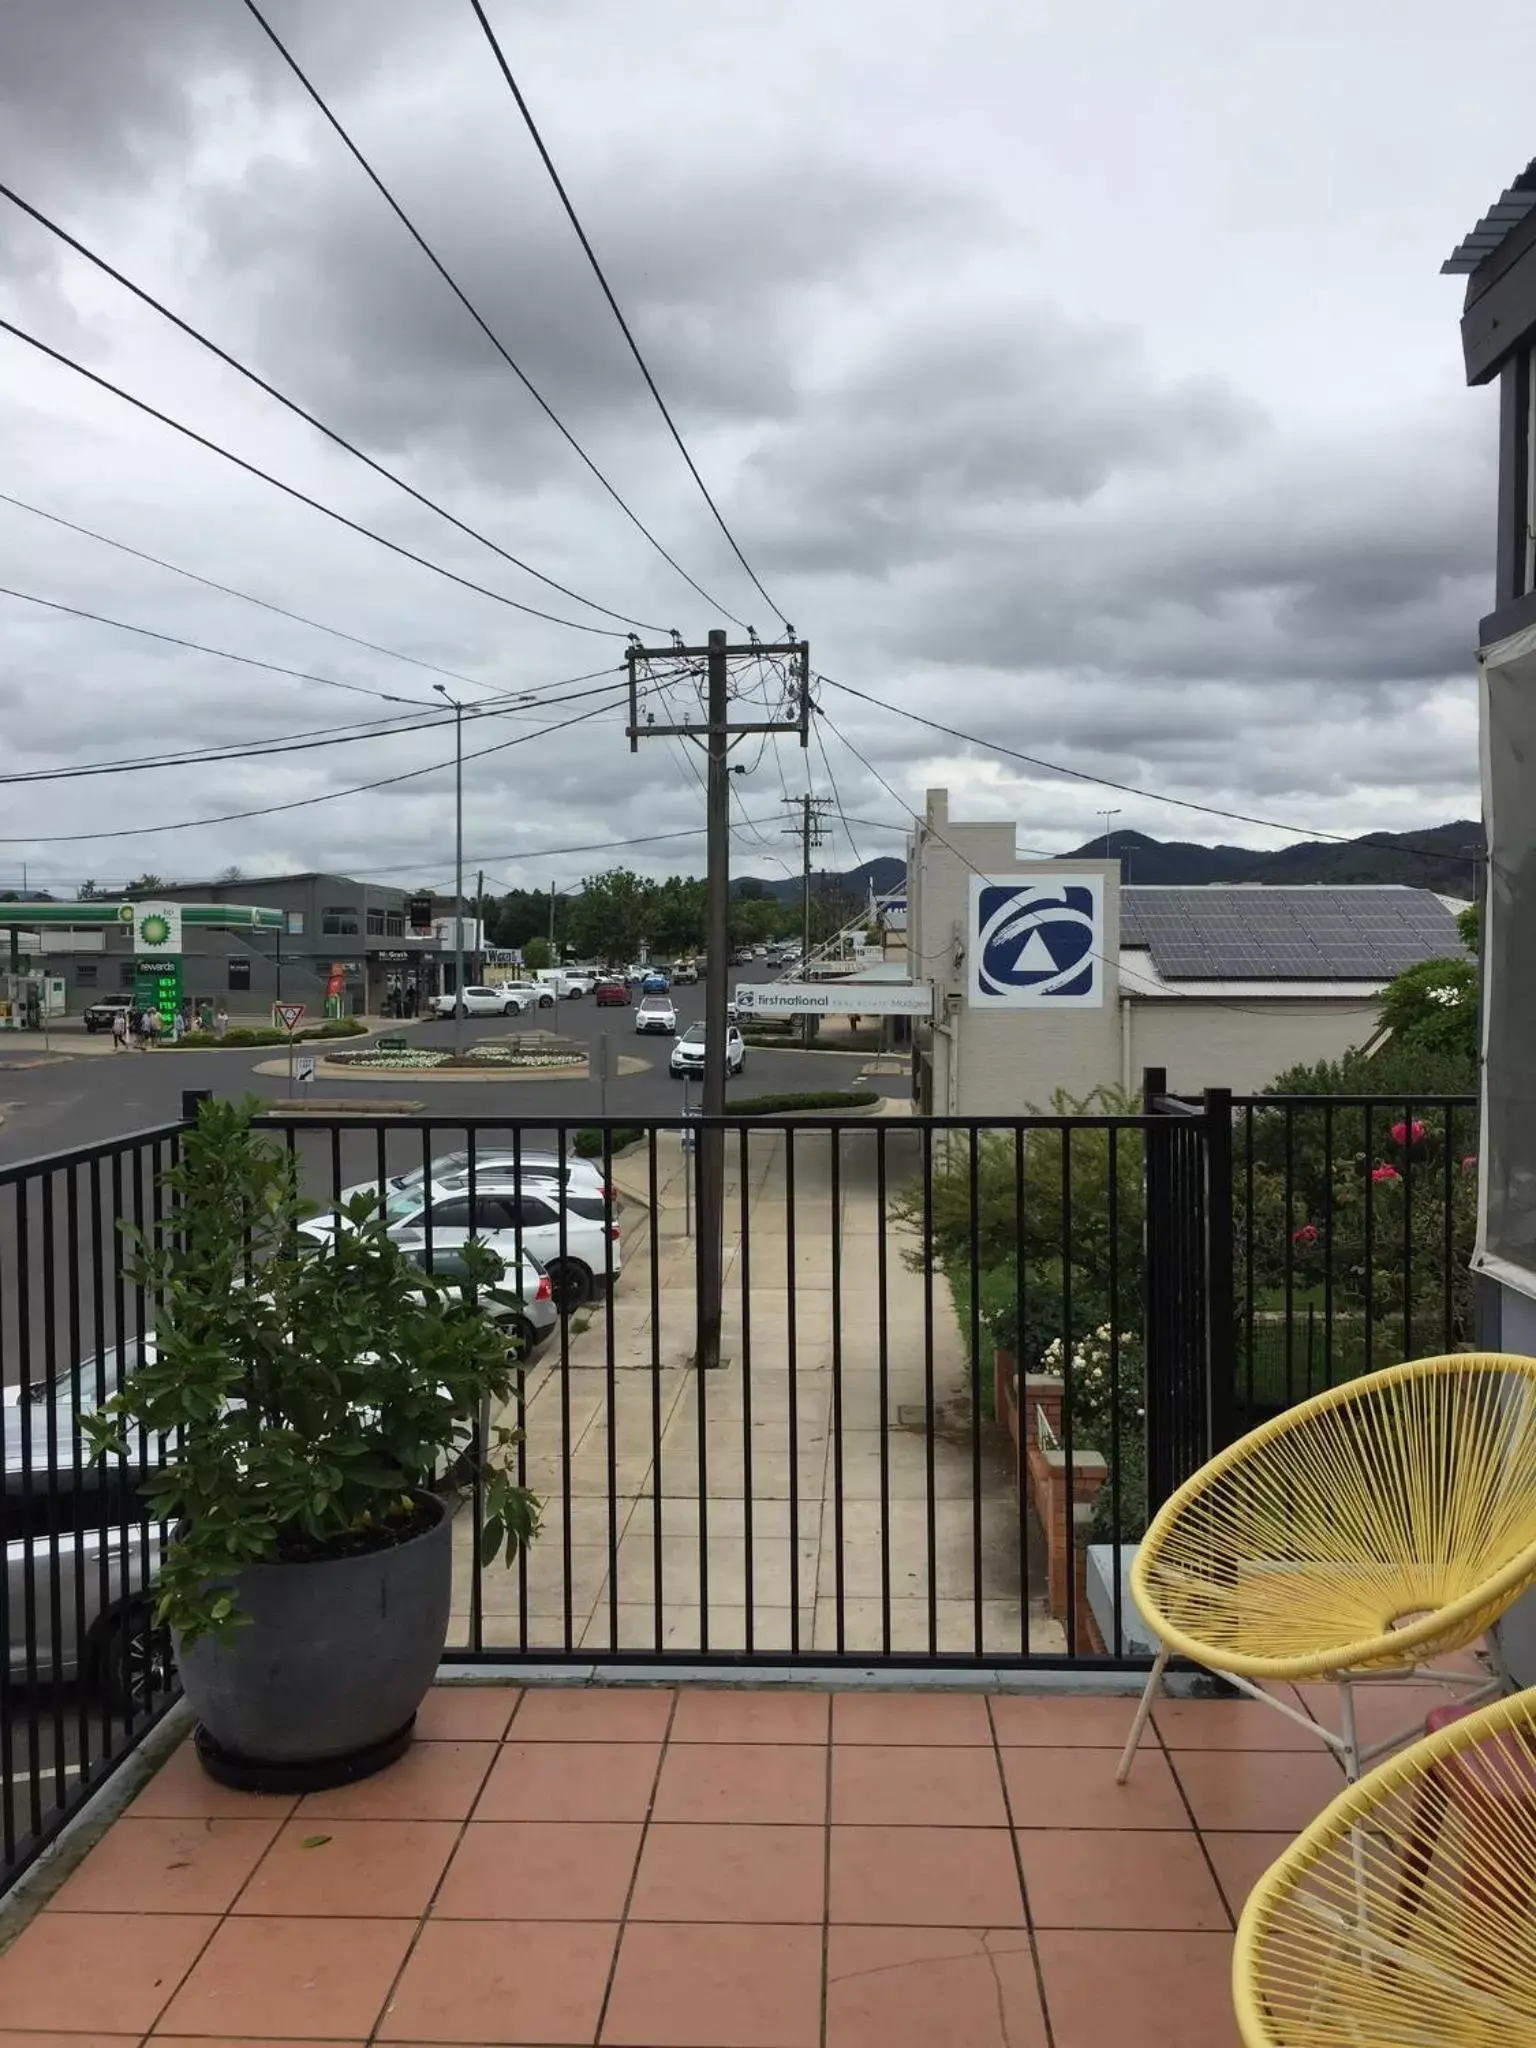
(296,924)
(85,974)
(338,921)
(394,924)
(375,924)
(125,975)
(239,972)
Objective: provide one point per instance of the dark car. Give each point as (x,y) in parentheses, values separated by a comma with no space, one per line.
(611,995)
(98,1017)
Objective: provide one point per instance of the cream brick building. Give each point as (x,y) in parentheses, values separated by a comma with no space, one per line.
(1053,975)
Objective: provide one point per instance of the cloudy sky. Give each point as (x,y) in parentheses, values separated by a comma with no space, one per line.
(1081,377)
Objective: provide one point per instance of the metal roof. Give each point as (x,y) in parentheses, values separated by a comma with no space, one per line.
(1510,209)
(1216,933)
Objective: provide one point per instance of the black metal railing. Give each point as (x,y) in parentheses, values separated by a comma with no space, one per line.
(84,1671)
(1353,1222)
(962,1361)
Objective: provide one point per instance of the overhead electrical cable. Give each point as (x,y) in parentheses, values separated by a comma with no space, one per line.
(1154,796)
(281,743)
(292,490)
(299,803)
(276,668)
(301,412)
(472,310)
(624,326)
(246,597)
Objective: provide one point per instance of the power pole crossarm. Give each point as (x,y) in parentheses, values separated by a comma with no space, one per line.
(787,666)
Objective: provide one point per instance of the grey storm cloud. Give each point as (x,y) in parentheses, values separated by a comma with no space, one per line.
(1018,412)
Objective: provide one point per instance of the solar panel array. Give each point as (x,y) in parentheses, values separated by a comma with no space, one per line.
(1309,934)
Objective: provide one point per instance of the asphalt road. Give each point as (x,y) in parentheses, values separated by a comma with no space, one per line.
(59,1234)
(79,1101)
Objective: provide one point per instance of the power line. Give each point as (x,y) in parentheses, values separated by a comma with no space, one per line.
(292,490)
(276,668)
(292,405)
(298,803)
(624,327)
(1130,789)
(245,596)
(1115,967)
(837,798)
(473,311)
(279,743)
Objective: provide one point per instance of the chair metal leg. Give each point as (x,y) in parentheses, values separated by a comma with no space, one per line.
(1349,1731)
(1143,1711)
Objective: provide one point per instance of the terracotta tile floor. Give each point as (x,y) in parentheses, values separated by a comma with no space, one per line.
(704,1869)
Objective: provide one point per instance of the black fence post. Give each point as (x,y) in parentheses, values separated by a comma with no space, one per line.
(1220,1332)
(190,1099)
(1156,1255)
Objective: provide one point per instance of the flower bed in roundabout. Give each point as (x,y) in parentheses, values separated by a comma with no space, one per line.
(533,1053)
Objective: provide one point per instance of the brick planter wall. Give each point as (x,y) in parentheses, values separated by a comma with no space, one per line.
(1062,1500)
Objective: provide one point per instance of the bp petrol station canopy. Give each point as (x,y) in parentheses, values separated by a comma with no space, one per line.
(36,917)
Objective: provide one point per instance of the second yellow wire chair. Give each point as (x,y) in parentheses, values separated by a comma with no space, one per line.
(1405,1916)
(1360,1535)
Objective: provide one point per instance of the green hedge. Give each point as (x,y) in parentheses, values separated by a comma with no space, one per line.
(780,1105)
(265,1034)
(588,1143)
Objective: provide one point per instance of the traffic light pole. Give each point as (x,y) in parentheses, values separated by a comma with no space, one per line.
(717,734)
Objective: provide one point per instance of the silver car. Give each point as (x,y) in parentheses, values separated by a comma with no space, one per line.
(498,1161)
(81,1551)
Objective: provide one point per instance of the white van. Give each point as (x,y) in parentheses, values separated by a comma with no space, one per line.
(565,981)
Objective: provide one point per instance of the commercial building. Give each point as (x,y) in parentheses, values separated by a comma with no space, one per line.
(335,932)
(1052,976)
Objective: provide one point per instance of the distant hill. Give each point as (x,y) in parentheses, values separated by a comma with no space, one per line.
(1440,857)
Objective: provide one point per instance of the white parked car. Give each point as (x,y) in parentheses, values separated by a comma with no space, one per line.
(499,1162)
(685,972)
(502,1001)
(688,1053)
(571,1235)
(656,1013)
(566,981)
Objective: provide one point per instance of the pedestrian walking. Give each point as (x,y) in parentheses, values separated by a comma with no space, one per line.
(221,1021)
(152,1026)
(119,1030)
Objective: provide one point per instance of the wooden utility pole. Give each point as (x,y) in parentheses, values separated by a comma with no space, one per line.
(717,733)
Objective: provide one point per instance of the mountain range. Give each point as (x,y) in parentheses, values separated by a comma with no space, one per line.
(1440,857)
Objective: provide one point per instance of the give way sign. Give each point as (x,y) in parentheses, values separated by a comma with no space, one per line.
(288,1014)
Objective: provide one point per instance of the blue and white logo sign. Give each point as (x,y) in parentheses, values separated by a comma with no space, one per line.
(1037,942)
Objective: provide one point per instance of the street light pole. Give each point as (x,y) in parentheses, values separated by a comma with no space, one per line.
(1106,816)
(458,869)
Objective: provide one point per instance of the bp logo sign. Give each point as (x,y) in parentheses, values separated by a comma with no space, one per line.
(156,928)
(1036,942)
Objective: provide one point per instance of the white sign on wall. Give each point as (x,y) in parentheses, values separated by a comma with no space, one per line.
(1036,942)
(834,998)
(156,928)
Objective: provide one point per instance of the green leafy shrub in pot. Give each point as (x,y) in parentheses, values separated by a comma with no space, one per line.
(307,1397)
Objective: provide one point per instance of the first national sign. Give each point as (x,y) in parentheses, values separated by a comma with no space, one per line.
(288,1014)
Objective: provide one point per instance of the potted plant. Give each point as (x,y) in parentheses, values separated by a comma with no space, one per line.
(305,1402)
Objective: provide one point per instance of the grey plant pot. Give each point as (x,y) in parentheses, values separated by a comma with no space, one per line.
(336,1658)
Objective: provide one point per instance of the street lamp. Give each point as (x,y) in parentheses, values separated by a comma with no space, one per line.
(1105,815)
(458,868)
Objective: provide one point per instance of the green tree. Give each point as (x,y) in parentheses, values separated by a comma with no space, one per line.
(145,885)
(522,914)
(608,918)
(535,953)
(1434,1006)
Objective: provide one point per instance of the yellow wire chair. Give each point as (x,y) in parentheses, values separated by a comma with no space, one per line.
(1381,1524)
(1405,1916)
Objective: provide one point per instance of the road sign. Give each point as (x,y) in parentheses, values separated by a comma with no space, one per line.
(288,1014)
(835,998)
(304,1067)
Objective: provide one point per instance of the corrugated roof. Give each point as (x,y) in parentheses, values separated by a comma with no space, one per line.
(1301,934)
(1508,211)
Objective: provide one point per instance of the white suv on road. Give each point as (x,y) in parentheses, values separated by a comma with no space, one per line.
(688,1053)
(656,1013)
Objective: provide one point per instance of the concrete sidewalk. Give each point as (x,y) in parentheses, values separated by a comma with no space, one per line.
(866,1523)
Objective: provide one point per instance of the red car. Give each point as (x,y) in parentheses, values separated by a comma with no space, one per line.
(611,994)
